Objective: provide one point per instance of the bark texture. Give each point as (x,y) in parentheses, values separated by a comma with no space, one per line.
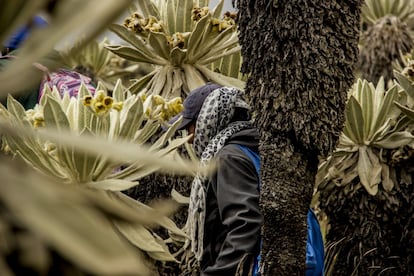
(299,56)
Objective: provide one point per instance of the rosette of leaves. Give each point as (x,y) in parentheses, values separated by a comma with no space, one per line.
(182,40)
(373,126)
(386,34)
(123,117)
(373,10)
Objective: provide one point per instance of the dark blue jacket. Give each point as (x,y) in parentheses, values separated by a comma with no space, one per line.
(233,219)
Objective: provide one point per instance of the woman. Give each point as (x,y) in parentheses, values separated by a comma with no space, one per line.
(224,217)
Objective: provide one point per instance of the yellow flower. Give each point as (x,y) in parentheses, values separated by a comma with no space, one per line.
(38,116)
(165,116)
(175,106)
(100,95)
(224,25)
(148,112)
(87,100)
(99,108)
(136,23)
(158,100)
(177,40)
(176,100)
(38,124)
(118,106)
(108,101)
(199,13)
(156,27)
(215,21)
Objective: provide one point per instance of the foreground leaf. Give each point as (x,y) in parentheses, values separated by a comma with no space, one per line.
(81,233)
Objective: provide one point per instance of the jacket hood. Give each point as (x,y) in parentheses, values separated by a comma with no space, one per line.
(247,137)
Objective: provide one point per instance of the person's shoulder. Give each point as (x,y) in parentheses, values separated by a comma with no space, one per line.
(230,151)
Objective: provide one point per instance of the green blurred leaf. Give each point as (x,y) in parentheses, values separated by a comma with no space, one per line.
(129,53)
(179,197)
(220,78)
(224,41)
(140,237)
(183,22)
(386,107)
(354,122)
(14,14)
(159,213)
(56,118)
(15,108)
(405,84)
(63,25)
(387,182)
(194,77)
(407,111)
(395,140)
(366,100)
(137,43)
(79,232)
(218,9)
(144,81)
(147,8)
(196,37)
(364,171)
(133,119)
(122,151)
(112,184)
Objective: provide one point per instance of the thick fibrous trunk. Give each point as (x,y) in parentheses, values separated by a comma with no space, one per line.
(285,203)
(300,56)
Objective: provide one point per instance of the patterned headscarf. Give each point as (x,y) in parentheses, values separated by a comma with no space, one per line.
(214,127)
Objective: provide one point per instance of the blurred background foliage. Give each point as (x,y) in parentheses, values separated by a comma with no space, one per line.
(50,227)
(386,35)
(363,193)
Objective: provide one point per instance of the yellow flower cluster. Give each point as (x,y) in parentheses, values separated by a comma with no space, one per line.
(162,109)
(101,104)
(178,40)
(199,13)
(35,117)
(139,24)
(228,21)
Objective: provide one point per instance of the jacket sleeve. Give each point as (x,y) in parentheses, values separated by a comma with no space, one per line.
(236,188)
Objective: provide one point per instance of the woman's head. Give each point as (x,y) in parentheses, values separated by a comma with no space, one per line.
(193,103)
(221,108)
(209,109)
